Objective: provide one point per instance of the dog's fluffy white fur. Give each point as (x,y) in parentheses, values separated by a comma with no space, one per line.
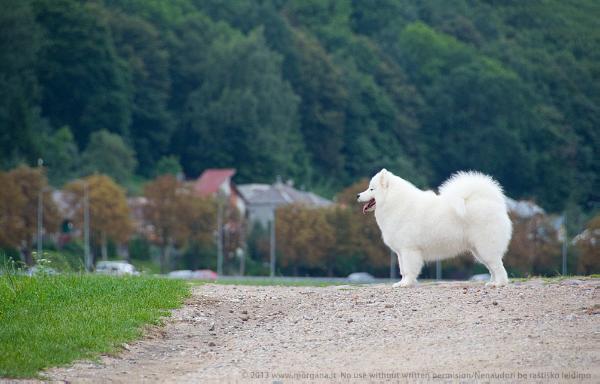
(468,215)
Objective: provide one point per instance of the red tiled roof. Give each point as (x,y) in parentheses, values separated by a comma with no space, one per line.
(211,179)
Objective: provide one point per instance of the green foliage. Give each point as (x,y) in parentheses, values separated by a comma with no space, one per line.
(168,165)
(108,154)
(140,45)
(61,156)
(139,248)
(62,261)
(325,92)
(246,114)
(83,80)
(20,43)
(53,320)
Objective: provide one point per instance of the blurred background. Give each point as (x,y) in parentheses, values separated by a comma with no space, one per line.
(232,136)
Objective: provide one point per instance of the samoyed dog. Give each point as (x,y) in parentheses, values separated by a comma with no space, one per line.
(467,215)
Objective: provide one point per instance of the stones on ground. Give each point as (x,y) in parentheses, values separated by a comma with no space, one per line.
(540,328)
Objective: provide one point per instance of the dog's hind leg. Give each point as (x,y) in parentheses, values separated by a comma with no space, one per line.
(492,259)
(479,259)
(499,275)
(399,262)
(412,262)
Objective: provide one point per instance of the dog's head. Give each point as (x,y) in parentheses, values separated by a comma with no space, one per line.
(376,191)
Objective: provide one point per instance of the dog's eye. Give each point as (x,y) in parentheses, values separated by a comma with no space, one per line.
(371,189)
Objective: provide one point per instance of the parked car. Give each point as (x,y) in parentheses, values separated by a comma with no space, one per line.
(360,277)
(480,277)
(205,274)
(37,270)
(200,274)
(117,268)
(181,274)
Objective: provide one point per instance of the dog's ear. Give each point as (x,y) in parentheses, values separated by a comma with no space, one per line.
(384,180)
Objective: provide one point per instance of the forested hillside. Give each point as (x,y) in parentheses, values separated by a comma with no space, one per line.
(324,92)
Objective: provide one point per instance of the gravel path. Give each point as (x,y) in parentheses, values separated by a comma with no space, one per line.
(448,332)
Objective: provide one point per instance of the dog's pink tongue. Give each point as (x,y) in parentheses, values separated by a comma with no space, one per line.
(365,208)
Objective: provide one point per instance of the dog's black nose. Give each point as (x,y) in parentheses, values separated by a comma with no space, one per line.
(358,196)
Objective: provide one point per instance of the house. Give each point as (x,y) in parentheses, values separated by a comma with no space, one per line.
(218,183)
(523,208)
(263,199)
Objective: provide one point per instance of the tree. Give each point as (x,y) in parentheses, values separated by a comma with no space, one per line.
(303,237)
(168,165)
(30,183)
(317,81)
(178,216)
(20,121)
(363,230)
(534,248)
(109,212)
(107,153)
(588,244)
(12,203)
(344,252)
(61,156)
(85,84)
(324,92)
(246,114)
(141,45)
(162,211)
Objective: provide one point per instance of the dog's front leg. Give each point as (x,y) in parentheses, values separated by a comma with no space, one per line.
(410,262)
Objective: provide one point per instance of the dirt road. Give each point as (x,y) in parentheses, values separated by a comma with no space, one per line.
(449,332)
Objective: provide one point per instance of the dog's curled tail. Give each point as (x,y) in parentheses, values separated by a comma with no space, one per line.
(463,187)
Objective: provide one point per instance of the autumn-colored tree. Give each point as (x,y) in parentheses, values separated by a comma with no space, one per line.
(109,212)
(178,215)
(162,210)
(20,192)
(347,196)
(363,228)
(588,244)
(234,231)
(12,203)
(346,249)
(534,248)
(304,236)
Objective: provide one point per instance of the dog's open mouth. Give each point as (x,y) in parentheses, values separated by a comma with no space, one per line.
(369,206)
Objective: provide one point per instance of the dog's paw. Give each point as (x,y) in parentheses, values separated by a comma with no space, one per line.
(404,283)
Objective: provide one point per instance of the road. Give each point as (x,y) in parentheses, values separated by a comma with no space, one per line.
(531,331)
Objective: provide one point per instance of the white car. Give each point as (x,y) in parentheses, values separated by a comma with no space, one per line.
(480,277)
(118,268)
(181,274)
(37,270)
(360,277)
(200,274)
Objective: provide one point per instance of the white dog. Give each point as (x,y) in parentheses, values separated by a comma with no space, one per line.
(468,215)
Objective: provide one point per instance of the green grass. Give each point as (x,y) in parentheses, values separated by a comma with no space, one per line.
(47,321)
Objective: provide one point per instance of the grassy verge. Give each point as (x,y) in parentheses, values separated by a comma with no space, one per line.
(52,320)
